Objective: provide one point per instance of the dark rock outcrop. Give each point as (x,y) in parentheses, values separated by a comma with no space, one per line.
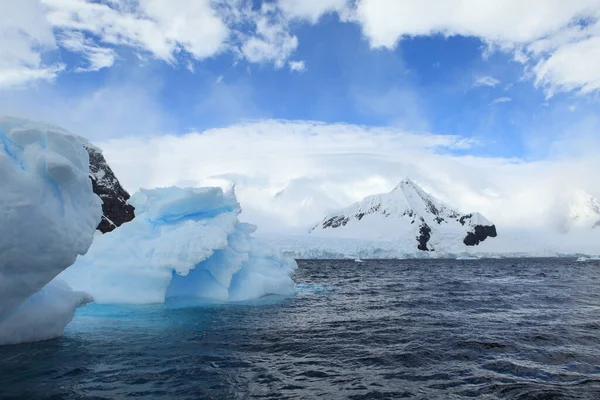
(115,209)
(424,236)
(335,222)
(479,234)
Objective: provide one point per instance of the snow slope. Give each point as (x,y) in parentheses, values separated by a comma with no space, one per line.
(513,244)
(410,218)
(48,216)
(183,243)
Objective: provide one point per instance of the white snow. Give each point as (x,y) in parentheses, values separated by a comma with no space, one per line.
(182,243)
(385,230)
(48,216)
(509,243)
(397,216)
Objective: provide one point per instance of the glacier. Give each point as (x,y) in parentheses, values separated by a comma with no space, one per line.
(183,243)
(48,216)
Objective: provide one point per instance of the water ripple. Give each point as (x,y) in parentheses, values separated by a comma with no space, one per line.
(514,329)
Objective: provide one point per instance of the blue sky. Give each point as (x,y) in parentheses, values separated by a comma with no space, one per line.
(425,83)
(492,106)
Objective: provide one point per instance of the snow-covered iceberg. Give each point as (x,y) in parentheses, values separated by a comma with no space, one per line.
(48,216)
(183,243)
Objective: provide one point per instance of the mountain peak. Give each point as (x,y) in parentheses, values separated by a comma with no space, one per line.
(406,183)
(406,212)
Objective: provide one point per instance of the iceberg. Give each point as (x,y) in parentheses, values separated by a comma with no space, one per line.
(183,243)
(48,216)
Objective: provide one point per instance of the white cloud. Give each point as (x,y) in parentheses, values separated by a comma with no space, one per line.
(311,10)
(97,57)
(501,100)
(156,26)
(573,66)
(272,41)
(190,66)
(24,36)
(486,81)
(547,36)
(505,22)
(332,165)
(15,77)
(298,66)
(546,32)
(170,30)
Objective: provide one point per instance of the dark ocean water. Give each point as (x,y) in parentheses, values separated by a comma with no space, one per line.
(447,329)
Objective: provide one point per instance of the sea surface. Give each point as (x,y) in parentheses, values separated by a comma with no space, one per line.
(443,329)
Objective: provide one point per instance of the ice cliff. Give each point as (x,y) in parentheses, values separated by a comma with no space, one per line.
(183,243)
(48,216)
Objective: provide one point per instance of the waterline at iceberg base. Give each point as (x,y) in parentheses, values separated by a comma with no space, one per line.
(183,243)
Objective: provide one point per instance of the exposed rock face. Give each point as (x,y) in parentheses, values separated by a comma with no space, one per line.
(405,214)
(479,234)
(115,209)
(424,236)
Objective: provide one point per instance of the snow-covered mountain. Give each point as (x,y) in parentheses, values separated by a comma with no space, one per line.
(409,216)
(115,208)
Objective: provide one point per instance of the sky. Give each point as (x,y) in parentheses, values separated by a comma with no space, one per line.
(309,105)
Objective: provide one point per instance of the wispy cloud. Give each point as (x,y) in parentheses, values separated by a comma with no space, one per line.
(485,81)
(97,57)
(500,100)
(298,66)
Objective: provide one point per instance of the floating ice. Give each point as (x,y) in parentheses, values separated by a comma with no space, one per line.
(183,243)
(44,315)
(48,215)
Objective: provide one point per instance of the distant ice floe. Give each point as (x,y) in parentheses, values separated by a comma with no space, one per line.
(586,259)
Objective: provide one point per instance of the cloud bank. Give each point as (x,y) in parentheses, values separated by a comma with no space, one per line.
(289,173)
